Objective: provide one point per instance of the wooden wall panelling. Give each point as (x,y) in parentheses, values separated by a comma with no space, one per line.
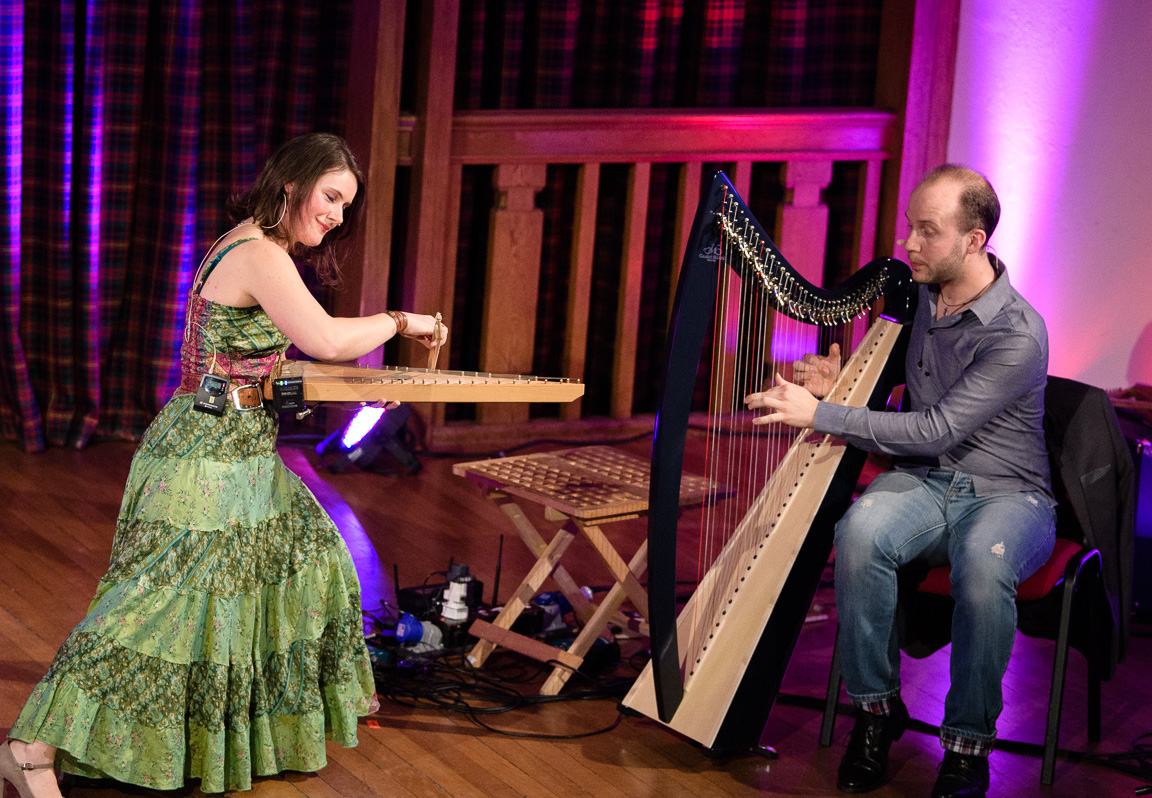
(580,281)
(631,283)
(864,238)
(915,75)
(425,261)
(628,136)
(687,200)
(448,289)
(867,211)
(726,349)
(518,138)
(802,231)
(741,178)
(803,218)
(516,233)
(377,56)
(426,266)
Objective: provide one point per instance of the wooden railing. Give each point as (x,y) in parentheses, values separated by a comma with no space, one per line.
(914,79)
(520,145)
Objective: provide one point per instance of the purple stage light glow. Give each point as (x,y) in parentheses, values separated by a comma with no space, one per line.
(360,425)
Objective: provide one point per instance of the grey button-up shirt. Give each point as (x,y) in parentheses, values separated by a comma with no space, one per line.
(974,395)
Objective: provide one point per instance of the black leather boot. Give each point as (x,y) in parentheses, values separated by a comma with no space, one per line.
(962,776)
(865,763)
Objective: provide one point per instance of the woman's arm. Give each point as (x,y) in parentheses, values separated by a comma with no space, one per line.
(262,272)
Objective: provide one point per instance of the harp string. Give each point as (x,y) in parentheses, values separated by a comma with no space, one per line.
(752,342)
(712,519)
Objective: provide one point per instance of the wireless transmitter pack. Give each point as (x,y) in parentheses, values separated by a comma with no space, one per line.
(210,395)
(288,394)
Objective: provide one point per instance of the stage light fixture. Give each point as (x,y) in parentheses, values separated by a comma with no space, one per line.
(370,432)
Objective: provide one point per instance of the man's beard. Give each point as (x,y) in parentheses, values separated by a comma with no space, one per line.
(944,270)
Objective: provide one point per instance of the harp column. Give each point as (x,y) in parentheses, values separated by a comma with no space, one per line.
(516,234)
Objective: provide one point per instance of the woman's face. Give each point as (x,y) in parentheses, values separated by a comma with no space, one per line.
(324,210)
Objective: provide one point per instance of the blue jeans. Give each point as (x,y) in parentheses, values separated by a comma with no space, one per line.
(992,542)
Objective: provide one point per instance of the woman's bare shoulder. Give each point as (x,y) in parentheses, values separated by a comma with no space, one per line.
(246,240)
(249,260)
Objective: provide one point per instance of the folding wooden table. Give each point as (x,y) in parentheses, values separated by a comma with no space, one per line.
(582,489)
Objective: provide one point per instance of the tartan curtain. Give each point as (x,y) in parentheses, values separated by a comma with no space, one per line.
(126,125)
(644,54)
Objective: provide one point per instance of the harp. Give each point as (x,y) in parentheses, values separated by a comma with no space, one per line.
(716,668)
(333,382)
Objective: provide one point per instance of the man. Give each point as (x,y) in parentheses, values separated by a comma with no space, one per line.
(970,483)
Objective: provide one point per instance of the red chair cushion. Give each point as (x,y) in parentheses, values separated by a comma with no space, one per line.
(1040,584)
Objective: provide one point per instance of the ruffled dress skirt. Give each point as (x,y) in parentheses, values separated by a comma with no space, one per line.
(226,639)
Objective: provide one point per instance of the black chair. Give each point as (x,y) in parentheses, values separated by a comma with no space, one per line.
(1079,597)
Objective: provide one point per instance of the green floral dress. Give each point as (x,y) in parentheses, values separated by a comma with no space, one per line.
(226,638)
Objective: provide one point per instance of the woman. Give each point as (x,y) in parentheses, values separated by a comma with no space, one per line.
(225,640)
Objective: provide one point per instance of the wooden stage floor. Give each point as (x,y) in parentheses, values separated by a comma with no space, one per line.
(58,510)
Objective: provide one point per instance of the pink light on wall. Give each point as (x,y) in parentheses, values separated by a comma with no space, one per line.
(1023,87)
(1050,103)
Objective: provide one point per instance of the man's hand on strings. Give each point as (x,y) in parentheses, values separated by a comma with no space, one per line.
(818,373)
(790,404)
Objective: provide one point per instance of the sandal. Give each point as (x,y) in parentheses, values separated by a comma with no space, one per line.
(13,771)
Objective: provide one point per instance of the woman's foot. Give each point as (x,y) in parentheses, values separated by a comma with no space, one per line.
(29,767)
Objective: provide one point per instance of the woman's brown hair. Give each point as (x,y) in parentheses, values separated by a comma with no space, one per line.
(301,162)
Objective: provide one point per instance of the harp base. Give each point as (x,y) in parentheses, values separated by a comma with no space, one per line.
(760,750)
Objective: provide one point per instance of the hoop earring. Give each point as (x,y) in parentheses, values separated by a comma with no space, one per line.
(283,211)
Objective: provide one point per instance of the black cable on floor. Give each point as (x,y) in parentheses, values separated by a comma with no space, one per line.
(438,683)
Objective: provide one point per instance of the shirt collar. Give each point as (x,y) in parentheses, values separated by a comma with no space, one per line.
(987,306)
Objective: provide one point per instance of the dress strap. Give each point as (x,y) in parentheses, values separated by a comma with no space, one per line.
(202,277)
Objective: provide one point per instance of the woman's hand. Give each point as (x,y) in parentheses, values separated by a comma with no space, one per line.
(818,373)
(791,404)
(425,329)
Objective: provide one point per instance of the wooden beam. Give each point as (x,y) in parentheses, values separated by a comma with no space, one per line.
(448,289)
(559,136)
(915,75)
(516,234)
(742,178)
(377,55)
(687,201)
(804,217)
(631,283)
(580,280)
(867,211)
(431,147)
